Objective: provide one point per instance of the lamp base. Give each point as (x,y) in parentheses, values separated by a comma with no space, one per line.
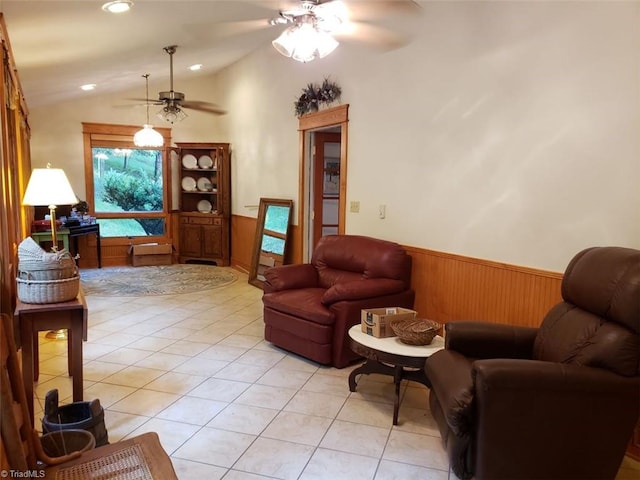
(57,334)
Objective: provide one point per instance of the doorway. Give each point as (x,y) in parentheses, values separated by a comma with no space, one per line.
(323,169)
(324,195)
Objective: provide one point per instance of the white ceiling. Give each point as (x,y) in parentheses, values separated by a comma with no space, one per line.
(60,45)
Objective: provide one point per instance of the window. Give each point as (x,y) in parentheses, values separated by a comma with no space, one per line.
(127,187)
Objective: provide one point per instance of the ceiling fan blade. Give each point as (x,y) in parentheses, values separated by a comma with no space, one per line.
(378,37)
(380,9)
(203,107)
(145,101)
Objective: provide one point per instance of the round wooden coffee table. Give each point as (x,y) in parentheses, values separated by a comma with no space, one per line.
(389,356)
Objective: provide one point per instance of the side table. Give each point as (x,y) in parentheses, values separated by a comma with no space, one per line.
(389,356)
(32,318)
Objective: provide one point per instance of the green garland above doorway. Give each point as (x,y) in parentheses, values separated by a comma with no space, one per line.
(314,96)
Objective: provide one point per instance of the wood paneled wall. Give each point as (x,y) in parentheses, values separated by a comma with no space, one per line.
(450,287)
(454,287)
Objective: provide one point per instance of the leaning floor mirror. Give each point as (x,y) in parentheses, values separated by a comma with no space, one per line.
(272,232)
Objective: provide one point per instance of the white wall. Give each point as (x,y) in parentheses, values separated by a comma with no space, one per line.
(505,130)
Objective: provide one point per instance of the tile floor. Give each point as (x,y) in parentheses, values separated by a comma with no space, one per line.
(228,405)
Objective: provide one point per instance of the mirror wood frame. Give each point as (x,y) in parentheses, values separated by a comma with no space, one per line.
(265,203)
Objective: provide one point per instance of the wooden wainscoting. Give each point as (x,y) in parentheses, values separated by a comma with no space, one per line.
(454,287)
(449,287)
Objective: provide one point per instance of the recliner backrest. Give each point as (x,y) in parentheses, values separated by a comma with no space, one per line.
(340,258)
(598,323)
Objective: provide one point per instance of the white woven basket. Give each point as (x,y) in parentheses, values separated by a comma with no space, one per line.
(36,264)
(48,291)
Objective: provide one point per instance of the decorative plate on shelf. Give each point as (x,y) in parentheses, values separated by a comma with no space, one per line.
(205,161)
(204,206)
(189,161)
(188,184)
(204,184)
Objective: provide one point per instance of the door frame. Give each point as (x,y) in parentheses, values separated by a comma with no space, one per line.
(330,117)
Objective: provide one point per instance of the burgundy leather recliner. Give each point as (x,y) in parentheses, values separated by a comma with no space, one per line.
(309,308)
(555,402)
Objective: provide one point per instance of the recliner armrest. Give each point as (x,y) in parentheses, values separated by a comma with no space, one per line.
(550,378)
(287,277)
(361,289)
(490,340)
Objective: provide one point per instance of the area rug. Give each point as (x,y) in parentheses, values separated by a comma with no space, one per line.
(160,280)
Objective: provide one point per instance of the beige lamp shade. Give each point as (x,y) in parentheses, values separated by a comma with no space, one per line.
(49,186)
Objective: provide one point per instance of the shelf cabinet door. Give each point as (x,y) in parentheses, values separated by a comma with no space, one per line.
(212,244)
(190,240)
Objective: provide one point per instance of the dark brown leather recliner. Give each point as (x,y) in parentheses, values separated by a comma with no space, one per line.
(555,402)
(309,308)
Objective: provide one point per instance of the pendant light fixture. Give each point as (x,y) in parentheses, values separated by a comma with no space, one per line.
(148,137)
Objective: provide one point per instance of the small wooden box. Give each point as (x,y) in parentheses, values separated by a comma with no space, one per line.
(149,254)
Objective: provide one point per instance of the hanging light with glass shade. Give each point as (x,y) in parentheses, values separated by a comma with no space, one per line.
(147,136)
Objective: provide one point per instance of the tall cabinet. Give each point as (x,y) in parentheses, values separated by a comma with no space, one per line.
(203,190)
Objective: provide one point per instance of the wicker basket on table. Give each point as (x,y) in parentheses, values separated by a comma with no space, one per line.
(45,277)
(415,331)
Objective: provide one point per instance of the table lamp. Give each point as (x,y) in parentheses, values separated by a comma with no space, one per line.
(49,186)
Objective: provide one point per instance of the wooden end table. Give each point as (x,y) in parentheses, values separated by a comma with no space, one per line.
(389,356)
(32,318)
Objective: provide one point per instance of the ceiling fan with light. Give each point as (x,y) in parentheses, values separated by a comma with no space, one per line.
(313,27)
(173,103)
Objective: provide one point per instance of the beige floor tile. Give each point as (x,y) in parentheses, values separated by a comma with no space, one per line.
(376,414)
(237,475)
(219,389)
(312,403)
(204,367)
(356,438)
(64,385)
(145,402)
(215,447)
(55,365)
(175,382)
(172,434)
(372,390)
(193,410)
(119,424)
(96,370)
(243,419)
(298,428)
(329,464)
(133,376)
(260,358)
(125,356)
(176,333)
(241,373)
(278,377)
(117,339)
(155,344)
(162,361)
(416,420)
(266,396)
(416,449)
(107,394)
(91,351)
(189,470)
(335,385)
(294,362)
(388,470)
(246,341)
(275,458)
(226,353)
(184,347)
